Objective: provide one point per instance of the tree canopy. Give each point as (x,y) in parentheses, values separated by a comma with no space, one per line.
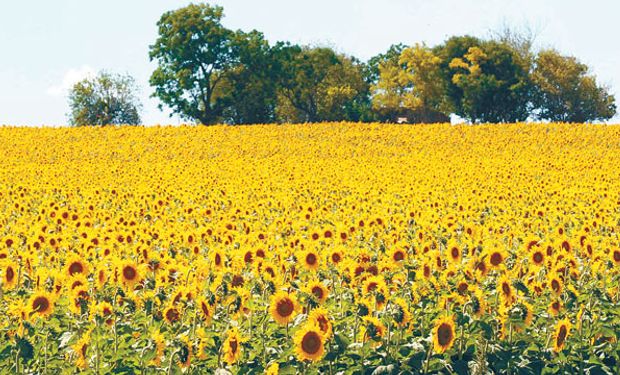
(107,99)
(210,74)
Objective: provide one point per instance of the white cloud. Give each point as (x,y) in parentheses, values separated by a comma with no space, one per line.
(70,78)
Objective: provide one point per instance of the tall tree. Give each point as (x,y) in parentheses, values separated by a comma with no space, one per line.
(566,91)
(107,99)
(410,86)
(194,52)
(320,85)
(487,83)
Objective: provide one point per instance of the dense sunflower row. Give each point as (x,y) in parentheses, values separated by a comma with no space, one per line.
(327,248)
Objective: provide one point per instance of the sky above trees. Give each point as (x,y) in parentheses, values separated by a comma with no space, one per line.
(47,46)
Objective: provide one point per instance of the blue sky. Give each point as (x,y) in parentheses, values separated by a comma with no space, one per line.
(45,46)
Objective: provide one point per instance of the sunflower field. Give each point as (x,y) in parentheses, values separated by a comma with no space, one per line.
(325,248)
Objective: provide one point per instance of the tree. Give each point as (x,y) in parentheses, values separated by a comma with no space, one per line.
(410,86)
(321,85)
(194,52)
(565,91)
(107,99)
(486,81)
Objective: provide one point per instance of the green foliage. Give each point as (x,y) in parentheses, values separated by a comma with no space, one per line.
(194,52)
(565,91)
(321,85)
(104,100)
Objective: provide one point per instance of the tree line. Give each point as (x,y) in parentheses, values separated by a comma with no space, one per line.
(209,74)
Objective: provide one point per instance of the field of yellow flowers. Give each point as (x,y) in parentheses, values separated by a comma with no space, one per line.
(327,248)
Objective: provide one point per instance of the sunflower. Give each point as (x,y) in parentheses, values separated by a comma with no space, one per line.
(309,343)
(171,314)
(105,311)
(318,290)
(562,331)
(76,265)
(232,346)
(455,254)
(505,290)
(9,276)
(205,309)
(310,259)
(554,307)
(41,304)
(320,318)
(497,257)
(615,256)
(80,348)
(401,313)
(398,255)
(160,346)
(443,334)
(555,283)
(130,274)
(537,257)
(283,307)
(373,329)
(478,302)
(336,256)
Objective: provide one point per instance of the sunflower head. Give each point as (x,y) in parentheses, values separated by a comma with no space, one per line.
(283,307)
(443,334)
(41,304)
(562,331)
(309,343)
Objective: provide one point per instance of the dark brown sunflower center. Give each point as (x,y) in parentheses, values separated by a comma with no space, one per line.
(496,259)
(617,255)
(40,304)
(285,307)
(10,274)
(75,267)
(218,259)
(538,257)
(398,256)
(234,345)
(444,334)
(129,273)
(205,308)
(455,252)
(555,285)
(336,257)
(172,315)
(506,289)
(323,323)
(562,336)
(311,259)
(318,292)
(311,343)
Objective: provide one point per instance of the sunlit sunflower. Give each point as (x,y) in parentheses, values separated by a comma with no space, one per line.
(283,307)
(171,314)
(80,348)
(443,334)
(398,255)
(41,304)
(615,256)
(373,329)
(505,290)
(232,346)
(400,313)
(318,290)
(554,307)
(9,275)
(496,257)
(309,343)
(105,311)
(310,259)
(478,303)
(562,331)
(76,265)
(455,254)
(205,310)
(320,317)
(130,274)
(160,346)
